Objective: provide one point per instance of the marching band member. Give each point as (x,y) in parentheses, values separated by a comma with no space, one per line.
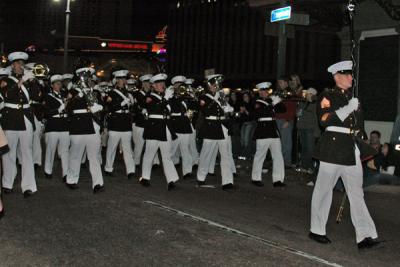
(119,124)
(158,133)
(193,107)
(18,124)
(140,113)
(182,126)
(214,132)
(340,152)
(84,132)
(267,136)
(56,129)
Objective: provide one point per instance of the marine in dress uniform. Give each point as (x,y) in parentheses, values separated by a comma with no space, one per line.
(119,124)
(84,133)
(339,151)
(181,125)
(193,108)
(56,128)
(18,124)
(158,133)
(139,113)
(267,136)
(214,131)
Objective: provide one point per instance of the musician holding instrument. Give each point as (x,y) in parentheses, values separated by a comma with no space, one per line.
(214,131)
(119,124)
(56,128)
(84,131)
(267,135)
(340,151)
(18,124)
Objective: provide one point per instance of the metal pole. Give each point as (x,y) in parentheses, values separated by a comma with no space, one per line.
(282,46)
(67,12)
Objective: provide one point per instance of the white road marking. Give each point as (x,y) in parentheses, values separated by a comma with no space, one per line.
(267,242)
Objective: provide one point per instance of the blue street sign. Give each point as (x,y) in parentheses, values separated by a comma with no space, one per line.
(281,14)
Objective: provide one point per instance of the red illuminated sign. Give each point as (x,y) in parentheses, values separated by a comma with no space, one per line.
(136,46)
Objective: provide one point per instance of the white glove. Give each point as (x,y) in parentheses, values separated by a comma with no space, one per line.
(169,93)
(125,102)
(228,109)
(96,108)
(61,108)
(275,99)
(345,111)
(144,111)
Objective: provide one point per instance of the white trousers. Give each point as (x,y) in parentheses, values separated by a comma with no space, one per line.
(352,177)
(104,138)
(137,136)
(25,141)
(56,141)
(206,154)
(92,143)
(182,142)
(152,147)
(114,138)
(211,168)
(37,146)
(193,147)
(278,164)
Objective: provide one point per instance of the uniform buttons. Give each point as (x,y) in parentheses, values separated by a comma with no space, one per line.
(334,138)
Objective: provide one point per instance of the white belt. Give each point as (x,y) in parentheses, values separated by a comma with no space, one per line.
(122,111)
(338,129)
(35,102)
(215,118)
(266,119)
(60,116)
(80,111)
(16,106)
(155,116)
(176,114)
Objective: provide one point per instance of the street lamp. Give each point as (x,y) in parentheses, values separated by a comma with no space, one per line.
(66,36)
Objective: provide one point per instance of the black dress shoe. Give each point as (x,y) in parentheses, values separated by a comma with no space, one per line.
(279,184)
(108,174)
(131,175)
(323,239)
(64,179)
(48,176)
(28,193)
(7,190)
(144,182)
(187,176)
(211,174)
(368,243)
(72,186)
(171,186)
(98,188)
(201,183)
(257,183)
(227,187)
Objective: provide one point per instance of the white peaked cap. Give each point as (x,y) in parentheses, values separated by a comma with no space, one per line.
(18,56)
(78,71)
(120,73)
(189,81)
(212,76)
(341,66)
(67,76)
(178,79)
(263,85)
(56,78)
(145,77)
(161,77)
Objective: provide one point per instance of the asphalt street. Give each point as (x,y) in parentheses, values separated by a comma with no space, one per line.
(129,225)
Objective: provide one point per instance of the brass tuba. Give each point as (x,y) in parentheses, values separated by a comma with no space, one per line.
(40,71)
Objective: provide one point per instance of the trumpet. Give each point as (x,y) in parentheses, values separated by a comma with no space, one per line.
(40,71)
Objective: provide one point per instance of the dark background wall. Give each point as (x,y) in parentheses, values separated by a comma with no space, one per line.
(229,36)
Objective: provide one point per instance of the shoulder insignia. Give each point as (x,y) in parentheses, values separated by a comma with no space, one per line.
(325,103)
